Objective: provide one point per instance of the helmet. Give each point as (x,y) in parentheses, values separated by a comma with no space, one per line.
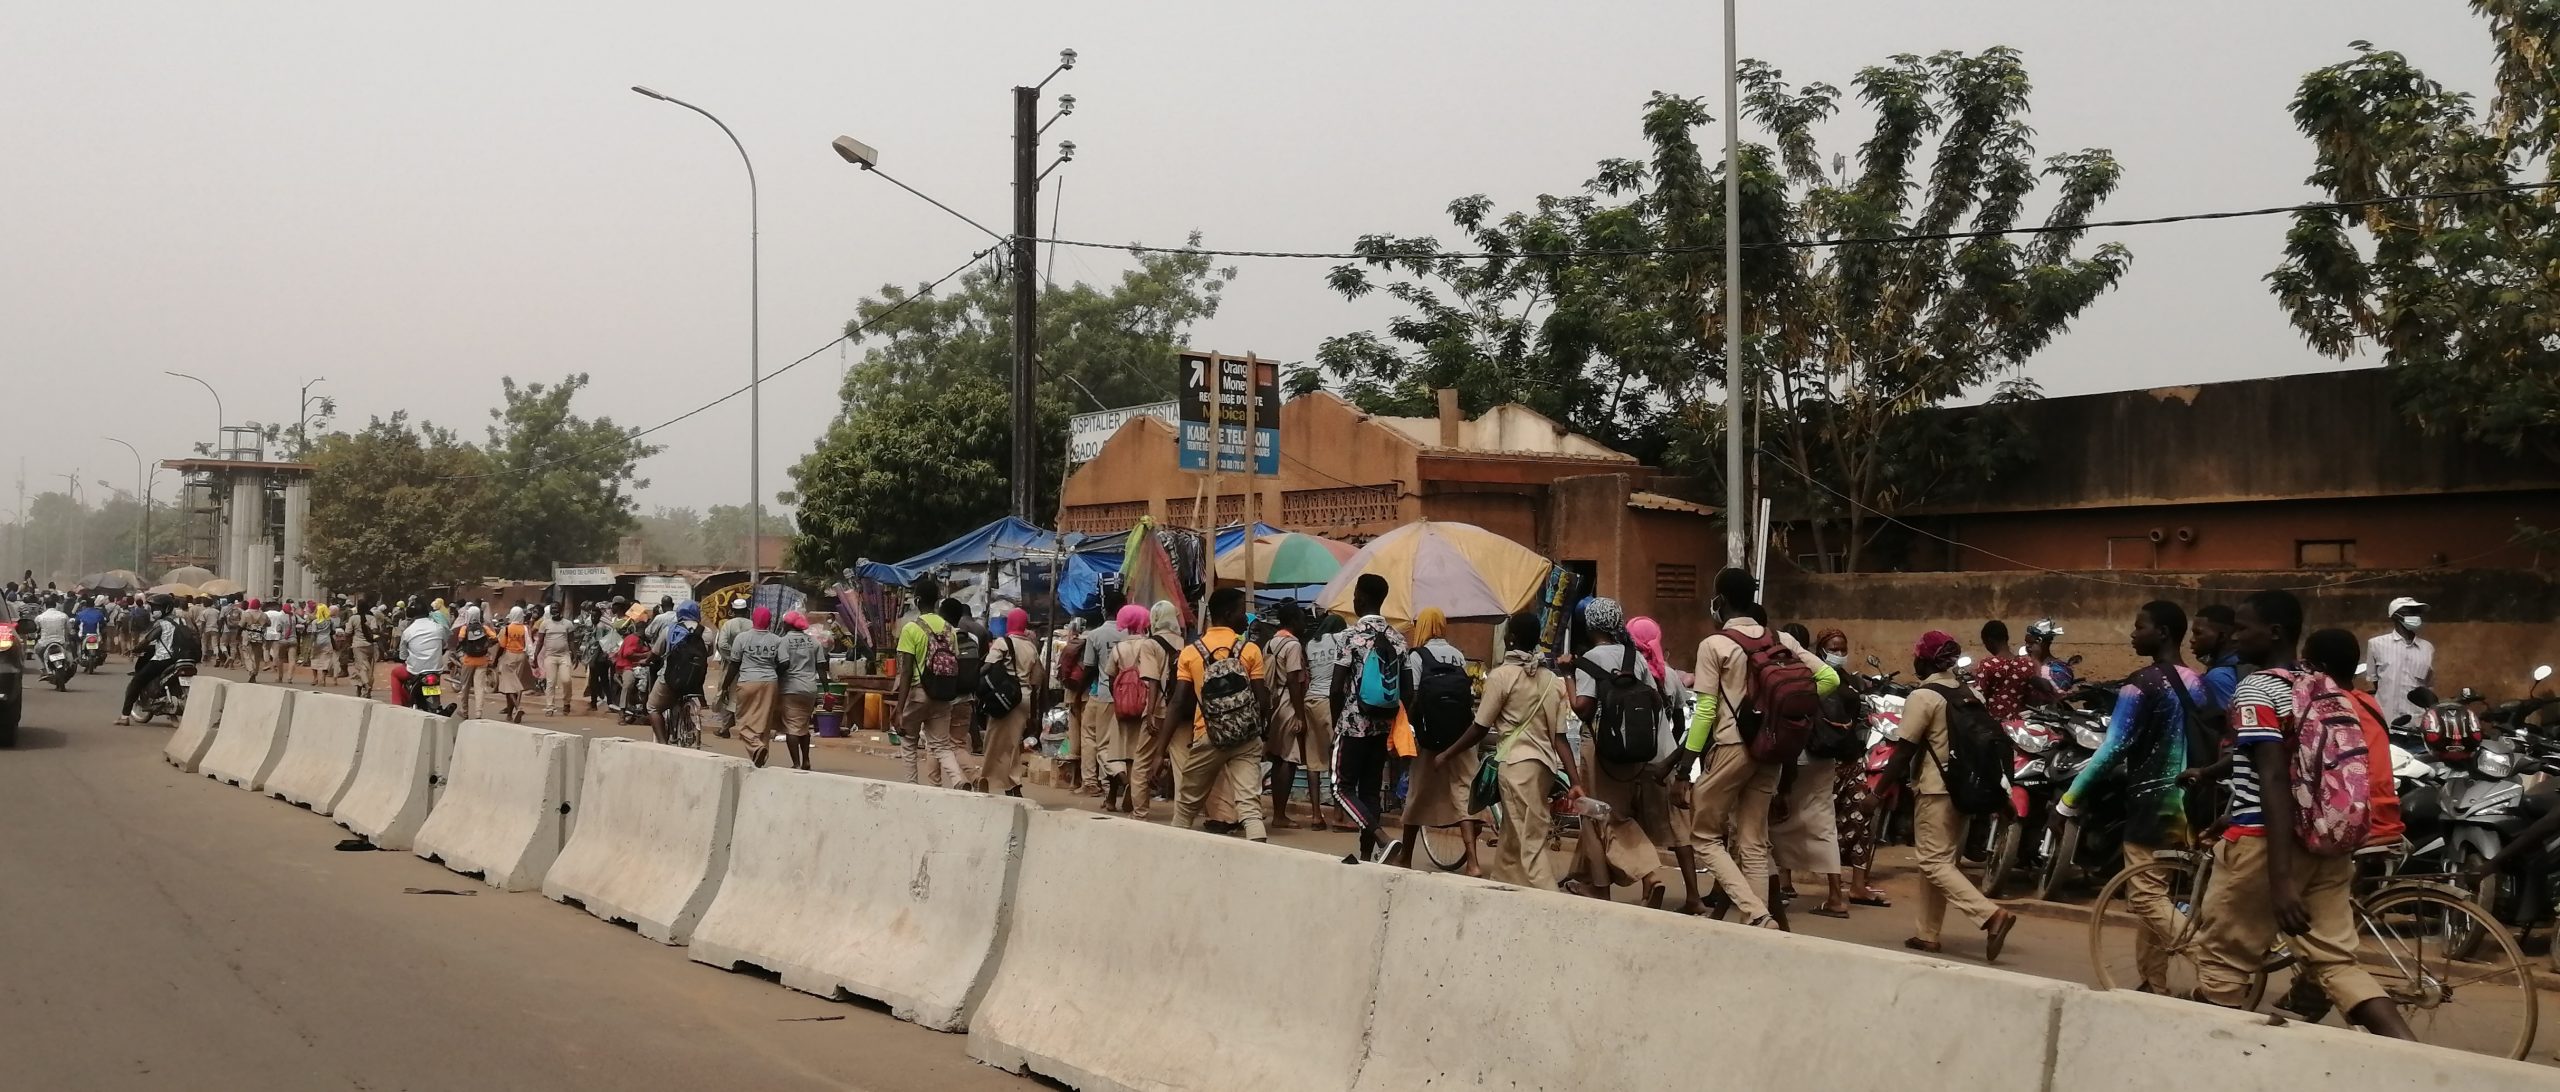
(2452,731)
(2044,629)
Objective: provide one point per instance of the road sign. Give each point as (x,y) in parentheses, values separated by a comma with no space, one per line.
(1087,432)
(1241,384)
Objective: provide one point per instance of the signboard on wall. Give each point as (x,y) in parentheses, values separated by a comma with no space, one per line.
(1087,432)
(582,576)
(647,590)
(1241,383)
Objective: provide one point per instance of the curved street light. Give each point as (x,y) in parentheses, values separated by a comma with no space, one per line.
(755,350)
(216,450)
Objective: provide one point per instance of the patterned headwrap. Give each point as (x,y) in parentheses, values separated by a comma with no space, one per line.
(1604,616)
(1935,652)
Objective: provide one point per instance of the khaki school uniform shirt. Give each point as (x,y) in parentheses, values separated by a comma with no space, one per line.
(1282,656)
(1722,665)
(1523,703)
(1924,721)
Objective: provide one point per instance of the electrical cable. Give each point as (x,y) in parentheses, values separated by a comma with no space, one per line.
(1809,244)
(848,335)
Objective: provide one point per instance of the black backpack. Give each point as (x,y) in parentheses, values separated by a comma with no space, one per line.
(1626,720)
(999,688)
(1840,731)
(687,661)
(475,640)
(972,652)
(1978,752)
(1443,703)
(183,644)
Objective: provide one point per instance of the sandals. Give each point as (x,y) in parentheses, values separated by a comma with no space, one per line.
(1827,912)
(1871,900)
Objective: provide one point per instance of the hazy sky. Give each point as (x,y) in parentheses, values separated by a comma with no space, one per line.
(416,200)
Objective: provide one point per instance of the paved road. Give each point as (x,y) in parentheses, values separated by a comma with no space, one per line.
(166,932)
(169,932)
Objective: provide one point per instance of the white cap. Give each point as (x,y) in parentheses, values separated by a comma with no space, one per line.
(739,603)
(2404,603)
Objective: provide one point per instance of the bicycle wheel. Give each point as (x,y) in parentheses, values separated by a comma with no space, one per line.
(2484,1003)
(1446,847)
(2121,941)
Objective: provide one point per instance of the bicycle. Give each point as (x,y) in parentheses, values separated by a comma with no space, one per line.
(2410,934)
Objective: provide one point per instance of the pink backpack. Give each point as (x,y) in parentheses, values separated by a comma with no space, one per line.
(2332,783)
(1130,691)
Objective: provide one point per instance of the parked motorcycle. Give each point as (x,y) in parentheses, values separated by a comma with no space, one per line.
(167,696)
(2477,805)
(2091,844)
(2032,791)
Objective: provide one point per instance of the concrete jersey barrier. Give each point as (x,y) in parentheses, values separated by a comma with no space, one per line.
(504,810)
(652,841)
(321,752)
(256,721)
(1142,957)
(394,786)
(2122,1039)
(850,886)
(1482,985)
(195,731)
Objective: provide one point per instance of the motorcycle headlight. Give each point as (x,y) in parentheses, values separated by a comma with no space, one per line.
(2088,735)
(2495,763)
(2027,739)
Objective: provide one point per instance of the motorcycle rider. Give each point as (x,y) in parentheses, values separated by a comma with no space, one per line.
(53,629)
(421,654)
(92,621)
(2040,649)
(157,653)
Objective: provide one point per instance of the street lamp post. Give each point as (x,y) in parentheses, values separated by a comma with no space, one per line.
(142,548)
(218,419)
(302,424)
(755,353)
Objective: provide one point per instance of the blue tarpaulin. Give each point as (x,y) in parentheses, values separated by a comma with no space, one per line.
(1006,540)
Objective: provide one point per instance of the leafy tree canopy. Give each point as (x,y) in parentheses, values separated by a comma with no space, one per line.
(566,482)
(396,507)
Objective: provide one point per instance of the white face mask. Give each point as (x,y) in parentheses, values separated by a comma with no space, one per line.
(1836,659)
(2411,622)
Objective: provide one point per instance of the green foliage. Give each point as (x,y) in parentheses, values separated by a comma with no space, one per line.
(565,483)
(397,507)
(1847,347)
(65,538)
(920,451)
(2460,295)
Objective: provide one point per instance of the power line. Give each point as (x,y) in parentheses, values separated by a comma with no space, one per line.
(1811,244)
(2090,577)
(846,336)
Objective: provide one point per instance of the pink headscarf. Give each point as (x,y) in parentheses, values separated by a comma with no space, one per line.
(795,620)
(1018,622)
(1133,619)
(1647,635)
(762,618)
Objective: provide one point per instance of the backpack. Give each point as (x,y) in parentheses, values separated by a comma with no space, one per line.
(1070,671)
(1227,706)
(972,651)
(940,673)
(687,662)
(1626,721)
(183,643)
(1978,751)
(999,688)
(1444,704)
(475,640)
(1380,687)
(1130,693)
(2332,777)
(1840,733)
(1785,699)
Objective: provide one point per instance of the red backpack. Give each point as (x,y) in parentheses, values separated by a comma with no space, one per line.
(2332,777)
(1782,692)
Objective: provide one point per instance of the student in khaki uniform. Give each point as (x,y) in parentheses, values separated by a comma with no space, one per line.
(1641,822)
(927,721)
(1284,655)
(1234,770)
(1438,780)
(1151,658)
(1920,753)
(1014,649)
(1523,709)
(1156,740)
(1729,805)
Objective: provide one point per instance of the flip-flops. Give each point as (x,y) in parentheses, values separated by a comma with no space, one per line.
(1870,900)
(1826,912)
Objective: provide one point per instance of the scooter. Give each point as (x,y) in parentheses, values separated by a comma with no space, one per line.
(2032,790)
(2091,843)
(58,666)
(167,696)
(93,653)
(2455,826)
(425,691)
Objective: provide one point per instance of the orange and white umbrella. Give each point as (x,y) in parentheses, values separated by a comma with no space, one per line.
(1470,573)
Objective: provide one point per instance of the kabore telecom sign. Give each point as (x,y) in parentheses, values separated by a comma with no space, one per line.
(1244,386)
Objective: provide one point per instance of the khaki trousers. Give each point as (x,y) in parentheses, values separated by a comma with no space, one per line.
(1154,742)
(1938,829)
(1004,751)
(1093,740)
(2155,916)
(555,682)
(1734,795)
(2240,926)
(1523,857)
(926,723)
(759,715)
(1234,774)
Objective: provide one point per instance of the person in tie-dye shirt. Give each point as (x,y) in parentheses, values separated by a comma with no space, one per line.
(2147,745)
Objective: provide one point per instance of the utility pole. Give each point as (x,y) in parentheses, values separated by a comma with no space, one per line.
(1026,300)
(1737,504)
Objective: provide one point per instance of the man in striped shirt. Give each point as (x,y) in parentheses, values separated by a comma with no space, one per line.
(2264,881)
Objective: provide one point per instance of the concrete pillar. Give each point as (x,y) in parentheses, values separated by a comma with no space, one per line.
(246,516)
(297,508)
(260,582)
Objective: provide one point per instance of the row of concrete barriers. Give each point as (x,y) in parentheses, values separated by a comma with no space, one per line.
(1107,954)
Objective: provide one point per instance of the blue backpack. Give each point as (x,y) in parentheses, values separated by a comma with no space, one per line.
(1381,690)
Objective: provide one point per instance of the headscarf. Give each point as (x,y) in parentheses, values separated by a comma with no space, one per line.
(1431,623)
(1935,652)
(1132,620)
(1165,618)
(470,615)
(1822,640)
(1018,622)
(1604,617)
(762,618)
(1646,635)
(999,625)
(515,616)
(689,611)
(796,620)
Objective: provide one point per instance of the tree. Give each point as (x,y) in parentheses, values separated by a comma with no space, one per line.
(398,507)
(1605,309)
(721,540)
(566,482)
(2462,294)
(921,449)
